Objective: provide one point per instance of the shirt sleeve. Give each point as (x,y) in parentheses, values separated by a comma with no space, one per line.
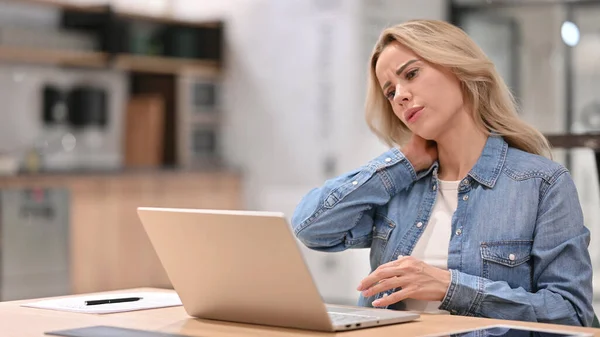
(339,214)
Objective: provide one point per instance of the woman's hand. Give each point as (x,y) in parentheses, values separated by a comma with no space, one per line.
(421,153)
(416,279)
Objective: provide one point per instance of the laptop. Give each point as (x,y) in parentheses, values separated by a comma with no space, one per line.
(247,267)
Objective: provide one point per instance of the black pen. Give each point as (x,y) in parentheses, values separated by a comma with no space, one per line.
(113,300)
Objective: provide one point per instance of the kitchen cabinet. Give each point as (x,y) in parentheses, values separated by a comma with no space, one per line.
(108,248)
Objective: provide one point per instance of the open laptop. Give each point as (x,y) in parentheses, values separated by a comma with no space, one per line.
(243,266)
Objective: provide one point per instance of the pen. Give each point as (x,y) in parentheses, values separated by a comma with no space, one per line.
(113,300)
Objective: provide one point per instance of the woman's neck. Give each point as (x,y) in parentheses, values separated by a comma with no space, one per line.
(459,148)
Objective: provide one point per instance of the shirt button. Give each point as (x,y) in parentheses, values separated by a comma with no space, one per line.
(374,228)
(465,182)
(355,182)
(511,257)
(466,197)
(434,187)
(458,231)
(419,224)
(387,160)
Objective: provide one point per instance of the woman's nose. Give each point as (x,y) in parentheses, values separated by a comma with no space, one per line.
(401,96)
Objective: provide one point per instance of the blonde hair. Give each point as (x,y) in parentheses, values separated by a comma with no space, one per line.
(439,43)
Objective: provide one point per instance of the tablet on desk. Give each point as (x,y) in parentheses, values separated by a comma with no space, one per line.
(512,331)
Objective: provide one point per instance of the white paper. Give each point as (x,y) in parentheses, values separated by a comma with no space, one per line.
(150,300)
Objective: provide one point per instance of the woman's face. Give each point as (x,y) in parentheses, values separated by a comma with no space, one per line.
(427,99)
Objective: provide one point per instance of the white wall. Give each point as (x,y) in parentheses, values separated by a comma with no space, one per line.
(542,69)
(586,57)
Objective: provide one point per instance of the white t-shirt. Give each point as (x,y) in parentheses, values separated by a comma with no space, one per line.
(432,247)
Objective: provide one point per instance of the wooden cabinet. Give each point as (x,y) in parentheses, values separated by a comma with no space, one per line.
(109,248)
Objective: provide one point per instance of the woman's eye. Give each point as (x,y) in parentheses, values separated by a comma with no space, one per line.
(411,74)
(390,94)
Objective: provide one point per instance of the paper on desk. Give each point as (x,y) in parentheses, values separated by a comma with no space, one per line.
(150,300)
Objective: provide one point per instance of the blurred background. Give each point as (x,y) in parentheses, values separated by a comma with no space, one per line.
(107,105)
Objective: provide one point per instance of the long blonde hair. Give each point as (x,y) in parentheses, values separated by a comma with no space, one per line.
(493,106)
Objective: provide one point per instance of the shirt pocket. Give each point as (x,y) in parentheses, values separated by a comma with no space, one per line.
(508,261)
(382,230)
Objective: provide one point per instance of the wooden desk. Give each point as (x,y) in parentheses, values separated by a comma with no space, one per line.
(16,321)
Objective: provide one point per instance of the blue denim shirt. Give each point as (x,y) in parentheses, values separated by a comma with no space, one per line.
(519,247)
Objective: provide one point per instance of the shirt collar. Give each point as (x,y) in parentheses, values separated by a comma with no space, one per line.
(489,165)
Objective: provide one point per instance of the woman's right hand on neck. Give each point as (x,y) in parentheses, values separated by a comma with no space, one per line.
(421,153)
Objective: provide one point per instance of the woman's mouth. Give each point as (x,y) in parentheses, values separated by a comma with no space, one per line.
(412,114)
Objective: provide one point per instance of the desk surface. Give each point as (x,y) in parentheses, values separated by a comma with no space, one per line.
(28,322)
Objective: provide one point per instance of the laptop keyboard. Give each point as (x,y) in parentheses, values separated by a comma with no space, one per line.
(341,318)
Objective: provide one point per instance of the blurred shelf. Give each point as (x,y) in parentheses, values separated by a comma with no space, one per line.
(68,5)
(164,19)
(165,65)
(54,57)
(99,19)
(569,140)
(136,63)
(60,4)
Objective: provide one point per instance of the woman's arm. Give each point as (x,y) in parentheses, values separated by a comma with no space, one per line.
(562,270)
(339,214)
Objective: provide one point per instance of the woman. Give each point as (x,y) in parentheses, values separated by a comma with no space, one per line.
(464,213)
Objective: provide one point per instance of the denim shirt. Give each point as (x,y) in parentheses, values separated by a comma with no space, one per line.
(518,249)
